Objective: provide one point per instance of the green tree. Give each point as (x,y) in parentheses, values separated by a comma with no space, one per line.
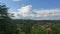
(7,26)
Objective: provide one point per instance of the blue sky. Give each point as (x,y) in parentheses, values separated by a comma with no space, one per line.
(45,4)
(26,8)
(11,4)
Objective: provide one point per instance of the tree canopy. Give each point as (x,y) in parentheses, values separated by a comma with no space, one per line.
(6,24)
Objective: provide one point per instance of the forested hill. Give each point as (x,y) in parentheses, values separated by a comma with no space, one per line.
(52,21)
(36,21)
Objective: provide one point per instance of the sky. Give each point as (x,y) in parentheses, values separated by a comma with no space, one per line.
(34,9)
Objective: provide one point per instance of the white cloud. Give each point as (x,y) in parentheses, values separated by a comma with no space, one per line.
(16,0)
(51,14)
(13,15)
(26,12)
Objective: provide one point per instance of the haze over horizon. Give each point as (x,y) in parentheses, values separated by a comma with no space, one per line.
(34,9)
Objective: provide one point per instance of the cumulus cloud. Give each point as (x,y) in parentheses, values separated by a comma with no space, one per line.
(26,12)
(50,14)
(25,9)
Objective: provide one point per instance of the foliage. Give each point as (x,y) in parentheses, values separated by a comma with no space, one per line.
(6,24)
